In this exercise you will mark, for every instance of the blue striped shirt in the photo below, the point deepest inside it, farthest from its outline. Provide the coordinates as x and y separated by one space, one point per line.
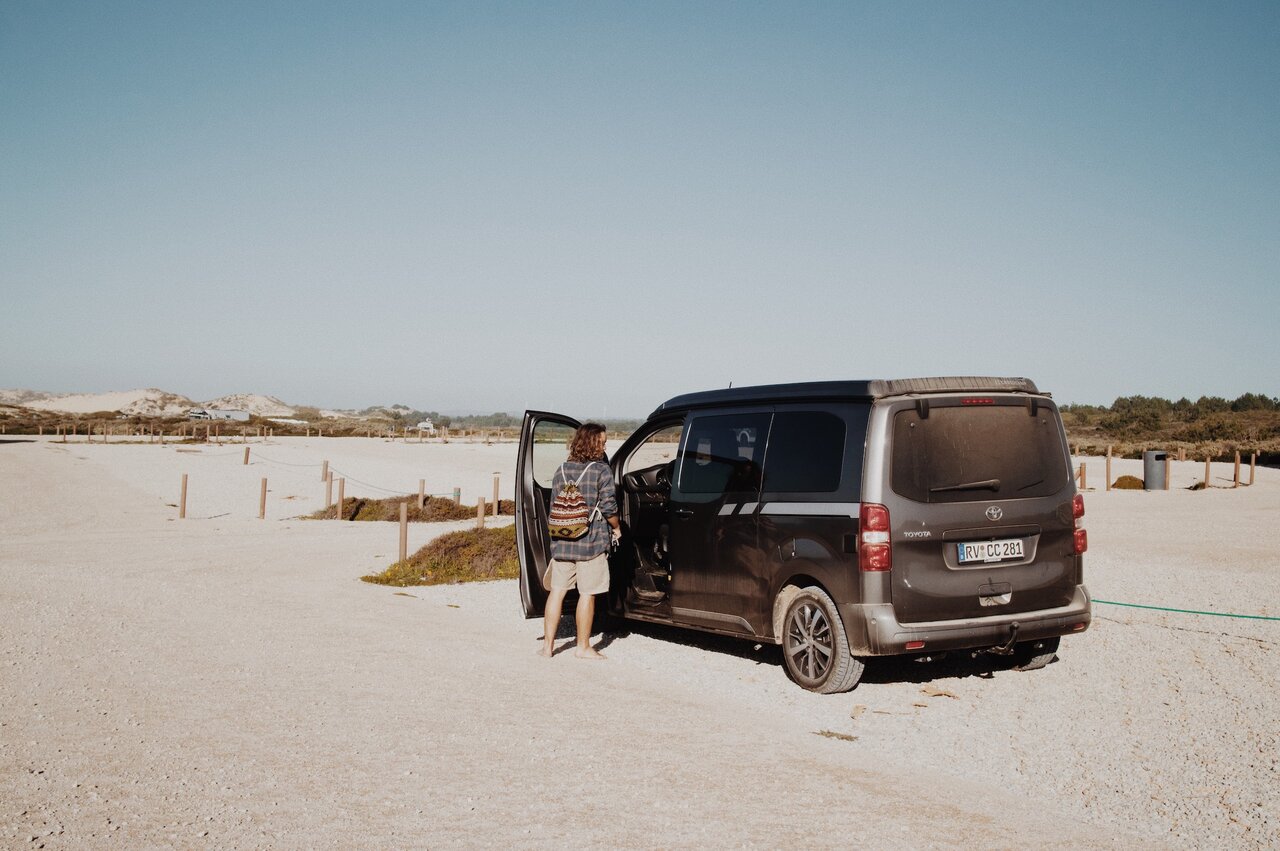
599 491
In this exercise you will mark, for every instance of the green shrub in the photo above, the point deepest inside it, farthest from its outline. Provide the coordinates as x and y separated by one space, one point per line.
472 555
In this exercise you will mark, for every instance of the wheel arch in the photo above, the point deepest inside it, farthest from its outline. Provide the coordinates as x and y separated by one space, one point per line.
786 591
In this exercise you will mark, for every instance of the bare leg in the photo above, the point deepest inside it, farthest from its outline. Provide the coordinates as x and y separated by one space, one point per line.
551 620
583 616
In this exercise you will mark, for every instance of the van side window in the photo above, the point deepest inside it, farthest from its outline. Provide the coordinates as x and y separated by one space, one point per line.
723 454
806 453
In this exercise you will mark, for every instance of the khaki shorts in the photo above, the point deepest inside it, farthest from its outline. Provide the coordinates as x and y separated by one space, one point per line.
591 577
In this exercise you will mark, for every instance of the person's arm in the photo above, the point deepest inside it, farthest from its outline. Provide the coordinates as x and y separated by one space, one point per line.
607 499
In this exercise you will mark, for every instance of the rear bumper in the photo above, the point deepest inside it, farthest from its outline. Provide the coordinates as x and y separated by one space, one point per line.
874 630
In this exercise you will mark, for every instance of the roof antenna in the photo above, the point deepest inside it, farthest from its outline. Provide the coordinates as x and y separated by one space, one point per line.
730 385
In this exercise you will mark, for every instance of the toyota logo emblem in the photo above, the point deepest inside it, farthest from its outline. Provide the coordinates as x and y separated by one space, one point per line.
994 513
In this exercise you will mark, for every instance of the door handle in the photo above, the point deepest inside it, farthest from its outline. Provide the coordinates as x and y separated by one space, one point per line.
684 512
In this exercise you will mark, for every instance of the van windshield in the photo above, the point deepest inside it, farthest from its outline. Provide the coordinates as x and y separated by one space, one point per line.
966 454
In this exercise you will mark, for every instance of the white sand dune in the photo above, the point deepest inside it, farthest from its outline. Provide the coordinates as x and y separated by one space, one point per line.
146 402
229 682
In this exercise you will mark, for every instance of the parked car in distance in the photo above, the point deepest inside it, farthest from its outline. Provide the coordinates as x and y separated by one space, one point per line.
842 520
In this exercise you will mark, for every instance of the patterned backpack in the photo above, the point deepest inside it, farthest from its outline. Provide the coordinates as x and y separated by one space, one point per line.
570 518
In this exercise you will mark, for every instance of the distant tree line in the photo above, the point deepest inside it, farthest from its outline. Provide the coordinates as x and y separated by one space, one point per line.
401 416
1209 418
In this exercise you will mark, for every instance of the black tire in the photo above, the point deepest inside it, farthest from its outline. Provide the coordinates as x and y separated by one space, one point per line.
1034 655
815 649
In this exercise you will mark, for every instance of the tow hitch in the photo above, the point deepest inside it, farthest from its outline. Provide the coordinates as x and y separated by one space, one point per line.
1005 649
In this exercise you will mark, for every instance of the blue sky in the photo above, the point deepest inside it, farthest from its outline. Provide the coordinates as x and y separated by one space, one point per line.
590 207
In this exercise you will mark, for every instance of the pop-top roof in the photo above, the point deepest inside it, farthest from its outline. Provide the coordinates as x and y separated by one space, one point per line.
849 391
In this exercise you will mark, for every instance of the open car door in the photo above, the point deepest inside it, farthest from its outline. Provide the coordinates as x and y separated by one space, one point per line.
544 446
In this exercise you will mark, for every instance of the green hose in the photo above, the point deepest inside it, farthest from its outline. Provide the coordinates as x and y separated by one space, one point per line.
1188 611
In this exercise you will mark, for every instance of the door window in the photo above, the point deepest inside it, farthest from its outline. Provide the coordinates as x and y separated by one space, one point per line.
657 449
722 454
806 453
550 449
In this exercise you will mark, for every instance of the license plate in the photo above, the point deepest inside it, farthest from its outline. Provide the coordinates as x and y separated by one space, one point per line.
1005 549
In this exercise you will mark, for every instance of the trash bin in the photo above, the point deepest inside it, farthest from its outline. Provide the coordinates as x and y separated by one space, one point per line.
1153 470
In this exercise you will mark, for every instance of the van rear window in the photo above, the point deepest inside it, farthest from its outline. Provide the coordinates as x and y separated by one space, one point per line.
974 454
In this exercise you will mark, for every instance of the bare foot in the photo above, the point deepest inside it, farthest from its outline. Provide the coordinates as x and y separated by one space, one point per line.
546 651
589 653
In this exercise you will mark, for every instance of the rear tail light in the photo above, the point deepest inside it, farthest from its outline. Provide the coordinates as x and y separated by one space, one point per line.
1080 542
1080 537
874 552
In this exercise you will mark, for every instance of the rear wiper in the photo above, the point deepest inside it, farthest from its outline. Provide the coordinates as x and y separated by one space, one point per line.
985 484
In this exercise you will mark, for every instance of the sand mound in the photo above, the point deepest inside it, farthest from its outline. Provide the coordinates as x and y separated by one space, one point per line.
254 403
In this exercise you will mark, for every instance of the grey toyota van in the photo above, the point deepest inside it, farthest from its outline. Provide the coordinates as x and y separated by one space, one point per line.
841 520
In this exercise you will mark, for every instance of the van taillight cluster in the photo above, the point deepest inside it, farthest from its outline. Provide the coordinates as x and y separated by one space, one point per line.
874 553
1080 538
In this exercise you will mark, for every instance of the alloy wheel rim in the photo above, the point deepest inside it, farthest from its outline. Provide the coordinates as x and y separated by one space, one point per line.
809 645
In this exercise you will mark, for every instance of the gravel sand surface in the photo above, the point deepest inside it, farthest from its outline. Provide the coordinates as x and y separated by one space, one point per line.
228 682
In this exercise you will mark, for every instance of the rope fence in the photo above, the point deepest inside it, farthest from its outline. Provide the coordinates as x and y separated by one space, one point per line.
1164 461
329 474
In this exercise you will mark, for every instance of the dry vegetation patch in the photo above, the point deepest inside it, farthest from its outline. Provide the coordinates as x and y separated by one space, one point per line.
434 509
1128 483
472 555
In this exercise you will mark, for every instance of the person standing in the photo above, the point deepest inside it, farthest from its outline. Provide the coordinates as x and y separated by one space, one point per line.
583 562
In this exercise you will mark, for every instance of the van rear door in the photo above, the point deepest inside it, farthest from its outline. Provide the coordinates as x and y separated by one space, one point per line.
979 498
544 446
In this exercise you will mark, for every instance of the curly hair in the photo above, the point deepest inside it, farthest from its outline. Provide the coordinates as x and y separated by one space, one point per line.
587 443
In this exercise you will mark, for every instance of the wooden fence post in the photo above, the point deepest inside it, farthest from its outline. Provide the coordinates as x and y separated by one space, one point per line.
479 512
404 531
1182 453
1108 466
1253 465
342 496
457 496
495 494
182 500
1168 466
328 491
262 502
246 457
1207 459
1236 482
422 493
324 470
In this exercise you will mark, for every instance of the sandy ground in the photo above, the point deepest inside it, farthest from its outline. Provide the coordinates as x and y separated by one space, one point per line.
228 682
